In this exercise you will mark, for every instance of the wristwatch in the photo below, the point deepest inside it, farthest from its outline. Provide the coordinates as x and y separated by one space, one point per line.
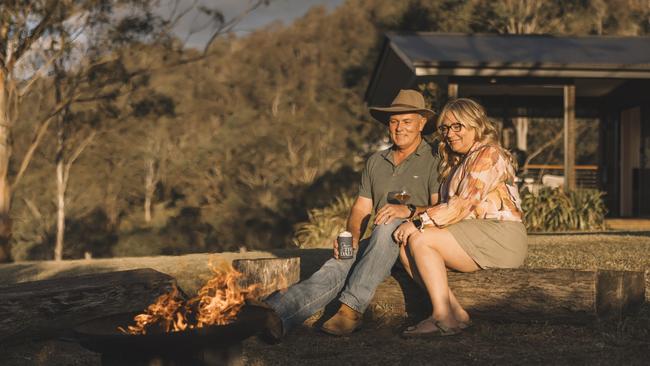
412 208
417 223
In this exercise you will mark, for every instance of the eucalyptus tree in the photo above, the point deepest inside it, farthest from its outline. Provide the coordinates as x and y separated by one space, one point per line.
82 38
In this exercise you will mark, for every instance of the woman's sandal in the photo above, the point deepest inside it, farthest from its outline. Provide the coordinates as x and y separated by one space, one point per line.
465 325
429 327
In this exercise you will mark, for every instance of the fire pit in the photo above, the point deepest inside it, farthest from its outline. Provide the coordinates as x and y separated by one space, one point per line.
205 330
211 345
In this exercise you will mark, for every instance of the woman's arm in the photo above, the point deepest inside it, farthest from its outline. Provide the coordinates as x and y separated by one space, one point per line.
482 173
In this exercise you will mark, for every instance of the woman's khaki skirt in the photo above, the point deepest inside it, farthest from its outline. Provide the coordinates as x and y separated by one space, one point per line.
492 243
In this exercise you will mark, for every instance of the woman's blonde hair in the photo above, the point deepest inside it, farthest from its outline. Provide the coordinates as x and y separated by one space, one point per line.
471 115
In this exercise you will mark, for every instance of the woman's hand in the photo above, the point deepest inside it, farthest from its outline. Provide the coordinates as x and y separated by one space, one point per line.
391 211
401 235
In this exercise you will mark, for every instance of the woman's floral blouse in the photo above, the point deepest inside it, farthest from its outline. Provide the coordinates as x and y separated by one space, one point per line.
480 187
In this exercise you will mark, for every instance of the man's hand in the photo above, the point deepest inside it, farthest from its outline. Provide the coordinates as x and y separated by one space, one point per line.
402 233
391 211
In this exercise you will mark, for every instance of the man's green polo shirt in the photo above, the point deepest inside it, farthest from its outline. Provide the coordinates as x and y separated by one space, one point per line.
418 174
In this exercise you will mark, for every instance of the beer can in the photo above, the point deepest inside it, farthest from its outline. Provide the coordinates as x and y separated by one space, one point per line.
344 241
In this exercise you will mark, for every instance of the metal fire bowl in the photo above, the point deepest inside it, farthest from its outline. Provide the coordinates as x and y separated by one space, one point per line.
101 335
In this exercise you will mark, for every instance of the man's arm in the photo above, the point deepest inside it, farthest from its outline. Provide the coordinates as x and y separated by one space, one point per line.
391 211
357 222
358 218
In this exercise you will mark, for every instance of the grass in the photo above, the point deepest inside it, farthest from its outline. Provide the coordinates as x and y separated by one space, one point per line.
604 343
618 251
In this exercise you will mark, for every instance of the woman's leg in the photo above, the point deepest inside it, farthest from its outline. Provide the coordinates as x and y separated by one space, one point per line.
432 252
405 257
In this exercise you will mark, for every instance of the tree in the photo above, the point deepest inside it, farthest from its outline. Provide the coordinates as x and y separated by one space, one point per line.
153 113
92 29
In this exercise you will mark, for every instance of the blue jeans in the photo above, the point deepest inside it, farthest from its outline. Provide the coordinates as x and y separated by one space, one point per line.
358 278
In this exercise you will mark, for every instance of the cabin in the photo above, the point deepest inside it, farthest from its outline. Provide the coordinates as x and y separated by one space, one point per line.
600 83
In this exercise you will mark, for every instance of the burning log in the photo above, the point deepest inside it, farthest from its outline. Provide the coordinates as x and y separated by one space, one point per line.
42 308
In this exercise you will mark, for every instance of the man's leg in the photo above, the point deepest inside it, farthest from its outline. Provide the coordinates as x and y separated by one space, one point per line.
374 263
300 301
305 298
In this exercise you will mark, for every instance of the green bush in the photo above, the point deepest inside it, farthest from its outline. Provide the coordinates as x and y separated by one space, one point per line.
324 224
552 209
547 210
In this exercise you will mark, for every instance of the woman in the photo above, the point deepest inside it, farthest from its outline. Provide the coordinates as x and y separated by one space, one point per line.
477 222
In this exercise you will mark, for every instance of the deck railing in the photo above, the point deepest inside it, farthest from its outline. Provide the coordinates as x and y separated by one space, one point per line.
586 175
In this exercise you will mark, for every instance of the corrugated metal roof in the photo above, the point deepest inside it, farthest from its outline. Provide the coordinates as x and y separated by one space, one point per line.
539 51
407 58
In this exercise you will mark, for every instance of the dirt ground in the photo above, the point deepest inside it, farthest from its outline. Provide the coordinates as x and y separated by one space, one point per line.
486 343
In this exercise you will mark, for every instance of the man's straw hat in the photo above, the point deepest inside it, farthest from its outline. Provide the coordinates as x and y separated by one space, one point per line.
406 101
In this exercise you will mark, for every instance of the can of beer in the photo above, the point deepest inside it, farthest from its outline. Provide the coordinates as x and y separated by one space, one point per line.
344 241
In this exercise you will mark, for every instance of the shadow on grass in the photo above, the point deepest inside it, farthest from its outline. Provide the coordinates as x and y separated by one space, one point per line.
601 232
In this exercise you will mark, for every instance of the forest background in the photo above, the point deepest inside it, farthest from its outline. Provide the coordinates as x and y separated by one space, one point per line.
233 148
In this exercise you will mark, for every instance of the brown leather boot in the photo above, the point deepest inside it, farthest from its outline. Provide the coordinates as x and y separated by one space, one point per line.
272 331
344 322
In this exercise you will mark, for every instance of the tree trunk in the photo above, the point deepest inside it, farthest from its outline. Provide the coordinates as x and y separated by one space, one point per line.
60 178
60 211
111 205
5 156
43 308
149 187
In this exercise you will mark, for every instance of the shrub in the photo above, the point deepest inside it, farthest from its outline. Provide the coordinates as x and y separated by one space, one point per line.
324 224
552 209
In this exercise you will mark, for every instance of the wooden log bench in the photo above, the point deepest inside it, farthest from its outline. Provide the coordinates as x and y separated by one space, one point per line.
521 295
547 295
38 309
42 308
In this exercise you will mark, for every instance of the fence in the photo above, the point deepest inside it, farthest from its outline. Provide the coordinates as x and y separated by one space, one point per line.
586 175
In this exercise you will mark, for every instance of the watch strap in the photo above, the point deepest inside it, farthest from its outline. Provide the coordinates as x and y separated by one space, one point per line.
412 208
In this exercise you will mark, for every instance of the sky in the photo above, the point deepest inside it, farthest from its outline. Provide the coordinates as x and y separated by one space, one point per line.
278 10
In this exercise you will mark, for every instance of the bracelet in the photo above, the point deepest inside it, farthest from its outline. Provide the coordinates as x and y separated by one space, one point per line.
426 220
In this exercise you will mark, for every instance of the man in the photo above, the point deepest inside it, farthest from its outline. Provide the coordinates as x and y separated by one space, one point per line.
409 165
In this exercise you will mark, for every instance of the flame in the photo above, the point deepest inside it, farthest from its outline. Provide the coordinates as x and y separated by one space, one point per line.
168 310
219 300
216 303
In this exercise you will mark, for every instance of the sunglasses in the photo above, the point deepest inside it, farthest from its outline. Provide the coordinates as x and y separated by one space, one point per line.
456 127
